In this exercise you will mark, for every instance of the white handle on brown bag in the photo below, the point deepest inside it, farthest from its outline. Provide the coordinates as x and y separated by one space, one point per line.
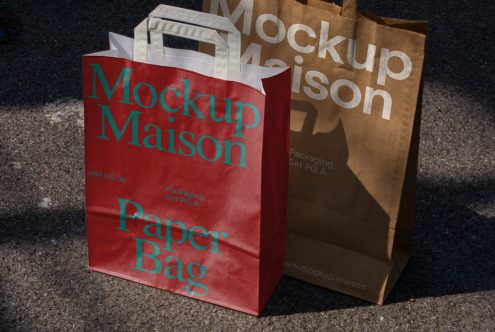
349 9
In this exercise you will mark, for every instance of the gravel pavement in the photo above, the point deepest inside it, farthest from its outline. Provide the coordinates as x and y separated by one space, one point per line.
449 284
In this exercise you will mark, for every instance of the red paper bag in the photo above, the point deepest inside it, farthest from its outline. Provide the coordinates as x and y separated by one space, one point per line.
187 163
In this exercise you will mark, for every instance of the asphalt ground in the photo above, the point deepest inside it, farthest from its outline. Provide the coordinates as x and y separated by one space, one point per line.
449 284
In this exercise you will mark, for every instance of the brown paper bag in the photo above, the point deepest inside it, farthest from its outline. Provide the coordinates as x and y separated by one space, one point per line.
355 130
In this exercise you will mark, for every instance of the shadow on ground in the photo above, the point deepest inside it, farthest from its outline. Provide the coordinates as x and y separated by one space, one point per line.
454 252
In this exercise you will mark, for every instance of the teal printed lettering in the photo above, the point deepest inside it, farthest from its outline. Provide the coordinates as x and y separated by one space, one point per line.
148 262
151 93
228 111
153 229
240 118
163 103
123 216
151 258
240 124
202 272
133 119
176 227
151 136
157 137
187 144
229 146
190 102
173 271
125 76
200 232
218 148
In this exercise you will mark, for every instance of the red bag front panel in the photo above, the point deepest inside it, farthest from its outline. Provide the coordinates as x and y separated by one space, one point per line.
173 180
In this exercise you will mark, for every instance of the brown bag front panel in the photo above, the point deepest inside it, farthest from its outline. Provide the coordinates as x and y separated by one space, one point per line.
355 91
